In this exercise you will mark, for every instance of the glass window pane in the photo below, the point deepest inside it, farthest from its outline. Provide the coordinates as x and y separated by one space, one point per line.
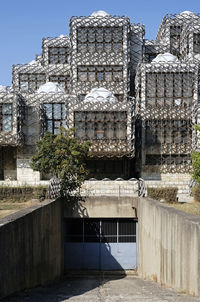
7 123
63 111
109 132
100 131
99 76
24 86
48 110
80 130
57 111
7 109
49 126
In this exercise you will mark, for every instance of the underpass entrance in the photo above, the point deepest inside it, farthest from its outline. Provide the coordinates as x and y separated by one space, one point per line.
100 244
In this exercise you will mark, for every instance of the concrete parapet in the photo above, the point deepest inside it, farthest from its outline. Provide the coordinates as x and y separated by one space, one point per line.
102 206
31 247
169 246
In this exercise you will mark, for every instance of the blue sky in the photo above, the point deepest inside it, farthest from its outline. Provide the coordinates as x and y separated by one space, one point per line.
23 23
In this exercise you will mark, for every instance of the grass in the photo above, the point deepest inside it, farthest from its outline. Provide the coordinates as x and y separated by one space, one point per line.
7 208
192 208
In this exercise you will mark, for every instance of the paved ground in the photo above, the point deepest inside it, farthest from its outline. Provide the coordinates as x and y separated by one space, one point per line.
104 289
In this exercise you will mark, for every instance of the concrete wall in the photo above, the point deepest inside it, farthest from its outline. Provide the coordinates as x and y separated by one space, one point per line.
102 207
31 247
110 188
169 246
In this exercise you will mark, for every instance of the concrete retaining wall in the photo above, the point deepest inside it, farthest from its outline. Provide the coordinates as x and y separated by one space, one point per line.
169 246
31 247
102 207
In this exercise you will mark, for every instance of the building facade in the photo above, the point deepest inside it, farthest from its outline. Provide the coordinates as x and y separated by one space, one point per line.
136 100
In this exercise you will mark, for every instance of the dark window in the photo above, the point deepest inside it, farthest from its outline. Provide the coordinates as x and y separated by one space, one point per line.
109 230
58 55
99 39
127 230
92 230
168 131
175 32
100 73
196 43
120 97
63 81
6 117
168 159
28 81
55 117
100 125
149 57
169 89
100 169
100 230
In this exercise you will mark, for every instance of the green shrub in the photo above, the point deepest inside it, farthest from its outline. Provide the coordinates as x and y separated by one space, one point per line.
167 194
23 193
196 193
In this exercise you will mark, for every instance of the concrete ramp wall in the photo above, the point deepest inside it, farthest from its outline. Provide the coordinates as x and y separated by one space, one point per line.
31 247
169 246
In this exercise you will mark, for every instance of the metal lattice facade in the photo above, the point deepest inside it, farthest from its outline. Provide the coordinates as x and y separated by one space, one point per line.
151 121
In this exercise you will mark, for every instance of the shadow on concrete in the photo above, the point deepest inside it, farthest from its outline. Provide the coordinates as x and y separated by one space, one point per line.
73 285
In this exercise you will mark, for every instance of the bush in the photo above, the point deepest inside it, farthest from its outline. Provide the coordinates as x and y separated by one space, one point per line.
167 194
23 193
196 193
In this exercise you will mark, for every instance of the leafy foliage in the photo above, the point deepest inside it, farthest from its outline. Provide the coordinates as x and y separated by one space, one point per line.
196 162
168 194
196 193
196 166
64 157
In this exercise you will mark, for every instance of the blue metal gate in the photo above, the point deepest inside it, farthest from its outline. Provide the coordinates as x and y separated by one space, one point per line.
100 244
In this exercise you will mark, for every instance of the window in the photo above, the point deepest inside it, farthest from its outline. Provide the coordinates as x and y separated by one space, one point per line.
170 89
196 43
63 81
54 117
100 73
149 57
168 131
175 32
28 81
99 39
168 159
6 117
100 230
100 125
120 97
58 55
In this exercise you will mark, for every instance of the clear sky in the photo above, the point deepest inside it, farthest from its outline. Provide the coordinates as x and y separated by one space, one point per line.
23 23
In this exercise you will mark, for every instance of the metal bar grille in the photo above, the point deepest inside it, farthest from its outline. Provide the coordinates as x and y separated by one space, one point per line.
100 230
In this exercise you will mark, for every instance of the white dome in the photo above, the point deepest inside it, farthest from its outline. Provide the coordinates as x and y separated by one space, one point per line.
50 87
100 13
165 58
62 36
3 89
100 95
187 13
